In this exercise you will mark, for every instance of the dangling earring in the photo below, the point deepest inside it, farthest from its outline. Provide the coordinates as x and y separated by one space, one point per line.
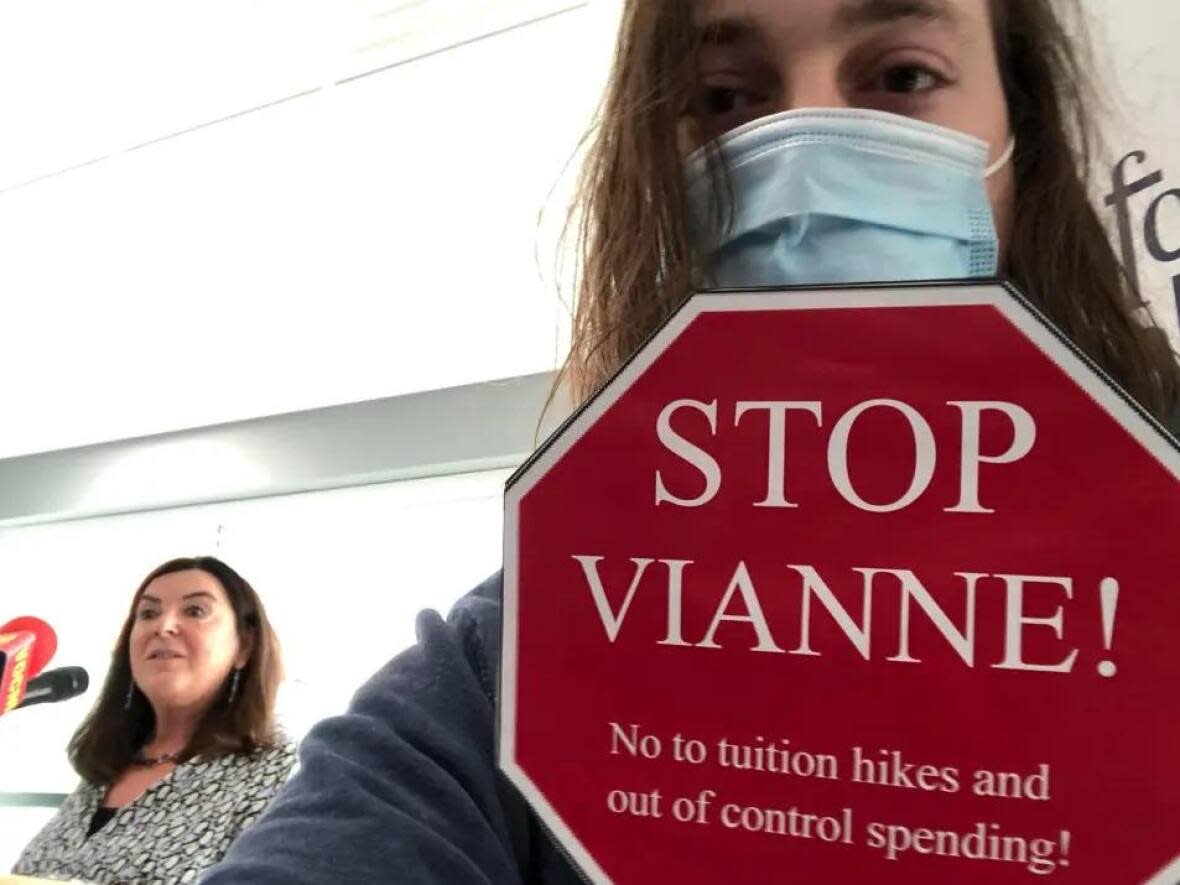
233 687
130 694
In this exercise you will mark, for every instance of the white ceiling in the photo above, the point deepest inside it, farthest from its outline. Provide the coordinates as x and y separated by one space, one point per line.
362 240
80 80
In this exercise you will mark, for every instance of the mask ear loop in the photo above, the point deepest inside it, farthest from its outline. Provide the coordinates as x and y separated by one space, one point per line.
1003 160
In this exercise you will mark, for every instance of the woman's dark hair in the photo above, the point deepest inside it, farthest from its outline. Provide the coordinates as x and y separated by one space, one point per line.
636 263
111 736
1060 255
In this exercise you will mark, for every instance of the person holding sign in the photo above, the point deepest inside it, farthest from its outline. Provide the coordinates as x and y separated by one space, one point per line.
742 143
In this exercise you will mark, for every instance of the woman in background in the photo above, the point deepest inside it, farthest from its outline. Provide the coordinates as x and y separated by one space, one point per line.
180 752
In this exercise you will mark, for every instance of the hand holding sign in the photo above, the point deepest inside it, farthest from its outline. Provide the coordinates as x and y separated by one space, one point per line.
849 583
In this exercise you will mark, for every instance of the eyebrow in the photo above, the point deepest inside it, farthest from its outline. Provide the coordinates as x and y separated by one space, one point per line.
852 15
194 595
730 31
855 14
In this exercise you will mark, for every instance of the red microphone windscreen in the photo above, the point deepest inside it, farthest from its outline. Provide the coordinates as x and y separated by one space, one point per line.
43 649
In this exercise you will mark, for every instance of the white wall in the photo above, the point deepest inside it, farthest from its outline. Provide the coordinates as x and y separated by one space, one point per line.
371 239
1136 39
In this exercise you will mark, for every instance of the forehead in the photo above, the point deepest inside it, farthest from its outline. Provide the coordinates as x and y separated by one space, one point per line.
814 18
175 586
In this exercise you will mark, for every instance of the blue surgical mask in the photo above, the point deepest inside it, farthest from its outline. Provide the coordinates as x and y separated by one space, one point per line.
847 196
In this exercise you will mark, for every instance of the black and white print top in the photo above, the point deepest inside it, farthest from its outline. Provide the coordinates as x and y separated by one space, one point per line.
180 826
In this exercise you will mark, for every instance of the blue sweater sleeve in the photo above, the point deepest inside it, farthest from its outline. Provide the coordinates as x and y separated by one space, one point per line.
403 787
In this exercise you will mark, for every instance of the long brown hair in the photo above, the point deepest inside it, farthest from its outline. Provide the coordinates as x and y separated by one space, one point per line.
636 263
111 736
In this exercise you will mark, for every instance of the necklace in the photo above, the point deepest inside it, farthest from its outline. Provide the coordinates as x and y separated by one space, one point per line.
150 761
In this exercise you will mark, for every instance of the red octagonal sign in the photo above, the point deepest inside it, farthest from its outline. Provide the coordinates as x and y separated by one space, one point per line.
846 585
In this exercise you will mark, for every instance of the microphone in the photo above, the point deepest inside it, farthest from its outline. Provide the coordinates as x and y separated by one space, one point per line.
52 686
26 646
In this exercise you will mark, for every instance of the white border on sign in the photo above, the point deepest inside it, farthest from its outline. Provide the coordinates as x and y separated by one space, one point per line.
1169 875
1137 424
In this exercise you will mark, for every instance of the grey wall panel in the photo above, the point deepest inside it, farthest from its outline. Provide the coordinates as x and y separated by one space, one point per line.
457 430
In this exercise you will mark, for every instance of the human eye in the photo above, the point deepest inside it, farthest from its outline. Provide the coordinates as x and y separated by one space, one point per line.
196 610
146 614
903 83
908 79
720 99
726 101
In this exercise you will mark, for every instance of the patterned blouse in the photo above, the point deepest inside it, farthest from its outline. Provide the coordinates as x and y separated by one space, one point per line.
181 825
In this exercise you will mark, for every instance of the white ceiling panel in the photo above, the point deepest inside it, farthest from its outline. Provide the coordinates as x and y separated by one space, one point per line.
370 239
80 81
